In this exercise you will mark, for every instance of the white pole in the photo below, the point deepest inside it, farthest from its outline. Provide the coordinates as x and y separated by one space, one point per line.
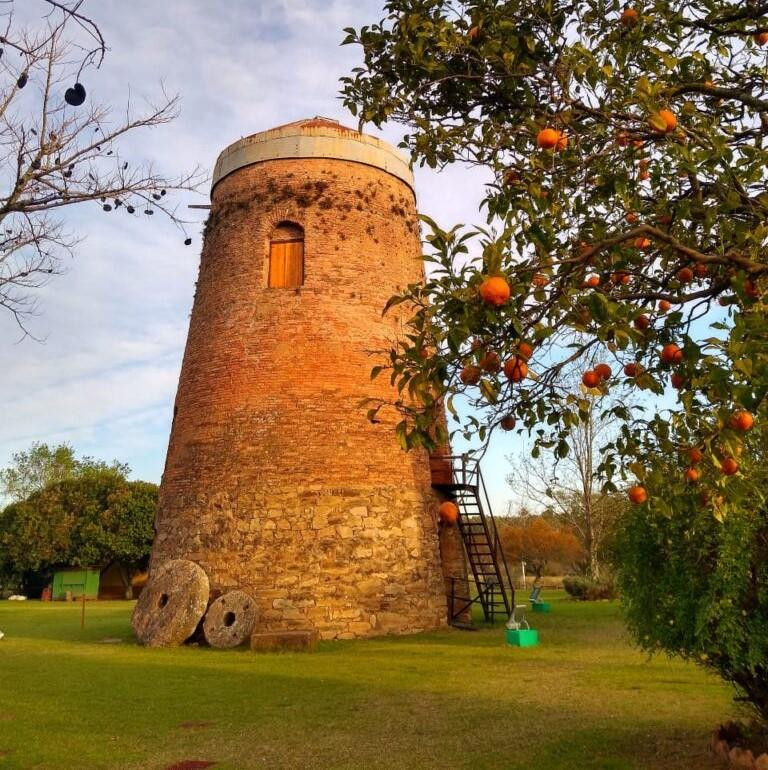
522 565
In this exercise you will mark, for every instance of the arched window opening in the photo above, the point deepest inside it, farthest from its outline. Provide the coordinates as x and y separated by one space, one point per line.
286 256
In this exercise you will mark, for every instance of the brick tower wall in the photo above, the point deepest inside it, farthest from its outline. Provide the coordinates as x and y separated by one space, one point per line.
275 482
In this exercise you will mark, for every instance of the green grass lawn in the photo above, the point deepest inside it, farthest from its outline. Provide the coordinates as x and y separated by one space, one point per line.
583 699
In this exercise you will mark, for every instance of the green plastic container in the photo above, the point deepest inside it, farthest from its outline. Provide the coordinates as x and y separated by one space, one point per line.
524 637
540 606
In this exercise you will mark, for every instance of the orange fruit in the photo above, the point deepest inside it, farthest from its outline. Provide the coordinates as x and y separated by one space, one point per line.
643 243
671 354
700 270
622 138
761 38
685 275
742 421
592 282
548 138
591 378
637 494
494 291
692 475
663 121
470 375
751 290
631 217
474 34
490 362
448 512
515 369
642 322
524 350
632 369
539 279
695 455
664 306
507 422
677 380
629 17
603 371
620 277
730 466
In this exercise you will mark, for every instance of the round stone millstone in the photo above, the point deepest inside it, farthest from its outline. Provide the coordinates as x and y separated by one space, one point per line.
230 619
171 604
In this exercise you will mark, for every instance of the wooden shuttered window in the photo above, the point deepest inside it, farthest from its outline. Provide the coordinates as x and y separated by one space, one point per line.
286 256
286 264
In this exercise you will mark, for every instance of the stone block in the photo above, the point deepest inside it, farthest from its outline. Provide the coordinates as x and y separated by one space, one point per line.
299 640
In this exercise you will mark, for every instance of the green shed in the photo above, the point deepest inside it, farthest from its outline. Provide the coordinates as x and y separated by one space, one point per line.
77 581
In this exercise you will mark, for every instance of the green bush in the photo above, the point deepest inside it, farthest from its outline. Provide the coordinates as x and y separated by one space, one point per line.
695 585
586 589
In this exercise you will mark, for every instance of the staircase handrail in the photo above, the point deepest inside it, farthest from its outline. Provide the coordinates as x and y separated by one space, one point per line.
467 472
500 555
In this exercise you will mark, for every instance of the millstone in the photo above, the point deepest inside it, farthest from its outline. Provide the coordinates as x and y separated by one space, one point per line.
230 619
171 604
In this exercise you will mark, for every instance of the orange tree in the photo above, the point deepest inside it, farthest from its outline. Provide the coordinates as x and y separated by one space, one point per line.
626 223
626 218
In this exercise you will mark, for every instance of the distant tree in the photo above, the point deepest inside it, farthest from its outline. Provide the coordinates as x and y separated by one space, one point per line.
568 487
39 466
58 148
538 542
86 520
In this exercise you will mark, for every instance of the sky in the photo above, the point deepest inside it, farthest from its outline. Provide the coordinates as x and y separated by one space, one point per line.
113 327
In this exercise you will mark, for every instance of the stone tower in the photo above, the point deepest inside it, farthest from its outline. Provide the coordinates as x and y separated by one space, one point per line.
275 482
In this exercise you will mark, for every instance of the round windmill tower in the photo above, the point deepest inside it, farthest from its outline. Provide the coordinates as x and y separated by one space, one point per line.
275 482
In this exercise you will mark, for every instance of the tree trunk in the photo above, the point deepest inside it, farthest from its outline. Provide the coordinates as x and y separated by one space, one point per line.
126 574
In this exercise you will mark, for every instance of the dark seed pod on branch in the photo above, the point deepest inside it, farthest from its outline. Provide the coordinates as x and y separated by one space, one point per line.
22 81
75 96
130 209
187 241
107 207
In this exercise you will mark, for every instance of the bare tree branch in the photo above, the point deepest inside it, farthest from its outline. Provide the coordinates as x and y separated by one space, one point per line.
56 152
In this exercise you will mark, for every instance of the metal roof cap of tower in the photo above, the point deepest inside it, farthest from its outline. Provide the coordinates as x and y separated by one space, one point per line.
316 137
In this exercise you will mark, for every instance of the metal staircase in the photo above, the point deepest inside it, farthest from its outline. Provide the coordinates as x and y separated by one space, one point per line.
460 480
